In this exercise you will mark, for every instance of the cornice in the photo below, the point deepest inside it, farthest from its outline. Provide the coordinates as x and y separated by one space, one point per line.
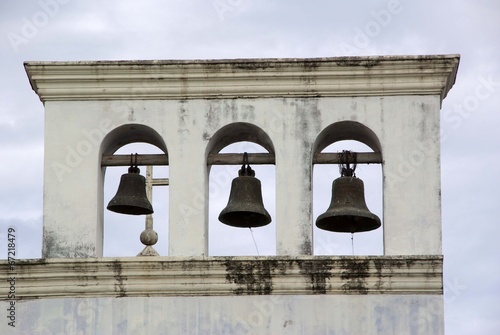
218 276
244 78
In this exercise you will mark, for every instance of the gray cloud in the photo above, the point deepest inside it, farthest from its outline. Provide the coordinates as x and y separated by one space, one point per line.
92 30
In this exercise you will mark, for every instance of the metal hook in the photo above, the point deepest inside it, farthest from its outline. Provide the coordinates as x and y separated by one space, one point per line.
133 165
245 158
345 158
246 170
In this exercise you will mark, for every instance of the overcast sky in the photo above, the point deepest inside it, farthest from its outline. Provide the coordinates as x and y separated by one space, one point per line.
67 30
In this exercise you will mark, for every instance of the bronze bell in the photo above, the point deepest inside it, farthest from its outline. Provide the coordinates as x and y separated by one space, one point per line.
131 195
348 212
245 208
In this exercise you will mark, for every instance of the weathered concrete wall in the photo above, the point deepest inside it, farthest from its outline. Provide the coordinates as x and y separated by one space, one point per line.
224 295
406 127
373 314
191 109
202 276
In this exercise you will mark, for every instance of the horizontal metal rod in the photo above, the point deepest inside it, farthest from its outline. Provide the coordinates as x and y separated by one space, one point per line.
361 158
236 159
266 158
124 160
158 181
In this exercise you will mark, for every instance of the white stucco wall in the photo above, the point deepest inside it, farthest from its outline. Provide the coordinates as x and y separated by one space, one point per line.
343 315
406 126
395 101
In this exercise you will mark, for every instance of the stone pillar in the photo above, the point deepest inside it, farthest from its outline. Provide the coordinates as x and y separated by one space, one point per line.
412 188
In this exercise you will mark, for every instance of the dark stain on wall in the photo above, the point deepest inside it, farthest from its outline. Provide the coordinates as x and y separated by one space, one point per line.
319 273
119 284
54 247
358 62
251 277
354 272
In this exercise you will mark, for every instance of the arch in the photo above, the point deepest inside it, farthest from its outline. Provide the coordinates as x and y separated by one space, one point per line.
219 187
347 130
238 132
118 138
131 133
326 243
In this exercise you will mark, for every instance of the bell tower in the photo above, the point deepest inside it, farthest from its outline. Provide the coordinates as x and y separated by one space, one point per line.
190 110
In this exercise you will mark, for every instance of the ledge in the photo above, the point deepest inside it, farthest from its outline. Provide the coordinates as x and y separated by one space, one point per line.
244 78
209 276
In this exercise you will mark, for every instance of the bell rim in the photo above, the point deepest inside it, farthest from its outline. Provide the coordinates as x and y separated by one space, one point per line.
131 202
254 224
137 210
369 223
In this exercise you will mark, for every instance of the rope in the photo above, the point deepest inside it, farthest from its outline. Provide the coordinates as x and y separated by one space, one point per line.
255 243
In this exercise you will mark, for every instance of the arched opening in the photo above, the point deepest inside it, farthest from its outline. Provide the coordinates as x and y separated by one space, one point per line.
226 240
131 133
355 137
121 232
